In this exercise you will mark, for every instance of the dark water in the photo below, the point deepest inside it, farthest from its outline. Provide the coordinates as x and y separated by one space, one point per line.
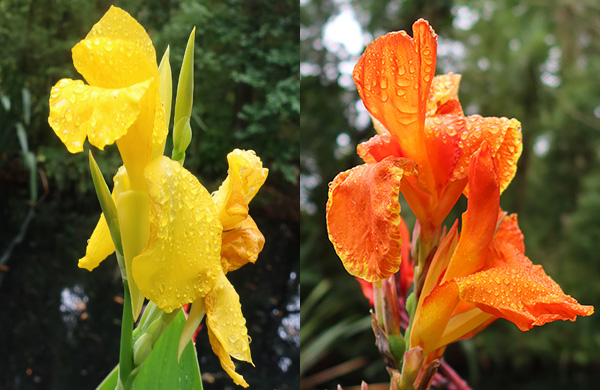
60 326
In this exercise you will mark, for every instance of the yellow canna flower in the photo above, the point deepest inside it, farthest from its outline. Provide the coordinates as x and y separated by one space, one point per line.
178 240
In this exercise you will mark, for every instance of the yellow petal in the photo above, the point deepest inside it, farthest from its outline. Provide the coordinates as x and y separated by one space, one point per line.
99 247
116 53
104 115
181 261
100 244
224 318
225 360
246 176
241 246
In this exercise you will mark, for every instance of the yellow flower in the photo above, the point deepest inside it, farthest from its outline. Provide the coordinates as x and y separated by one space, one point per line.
178 240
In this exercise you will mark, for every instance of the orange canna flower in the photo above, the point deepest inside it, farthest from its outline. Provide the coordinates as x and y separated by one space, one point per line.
483 274
423 150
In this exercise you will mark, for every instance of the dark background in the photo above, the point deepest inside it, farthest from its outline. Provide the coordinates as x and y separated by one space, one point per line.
537 61
60 325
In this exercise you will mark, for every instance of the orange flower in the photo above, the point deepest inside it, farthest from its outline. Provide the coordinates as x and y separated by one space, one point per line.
484 274
423 150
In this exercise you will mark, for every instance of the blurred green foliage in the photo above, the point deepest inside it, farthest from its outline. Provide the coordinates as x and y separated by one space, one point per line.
246 77
536 61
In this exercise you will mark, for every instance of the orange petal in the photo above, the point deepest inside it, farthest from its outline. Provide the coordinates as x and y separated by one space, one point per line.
241 246
363 217
393 78
510 232
521 293
442 138
444 88
433 315
480 220
377 148
504 138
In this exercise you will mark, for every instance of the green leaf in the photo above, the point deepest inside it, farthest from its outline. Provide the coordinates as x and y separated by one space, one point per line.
161 370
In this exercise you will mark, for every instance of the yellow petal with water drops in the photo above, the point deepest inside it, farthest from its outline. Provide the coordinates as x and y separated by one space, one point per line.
103 115
100 244
241 246
99 247
116 53
224 318
246 176
181 261
225 360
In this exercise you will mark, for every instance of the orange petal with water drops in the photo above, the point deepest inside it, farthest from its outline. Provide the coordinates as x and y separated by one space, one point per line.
510 232
444 88
103 115
433 315
116 53
182 259
241 245
521 293
480 220
393 77
504 139
246 176
363 217
377 148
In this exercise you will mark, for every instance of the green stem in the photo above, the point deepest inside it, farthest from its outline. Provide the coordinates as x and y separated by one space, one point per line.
126 350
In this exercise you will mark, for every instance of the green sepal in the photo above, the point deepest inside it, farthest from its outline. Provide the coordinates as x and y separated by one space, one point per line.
397 347
109 209
411 304
142 348
182 136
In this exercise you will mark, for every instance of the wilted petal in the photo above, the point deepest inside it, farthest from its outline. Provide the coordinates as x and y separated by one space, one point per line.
241 245
363 218
103 115
181 261
246 176
521 293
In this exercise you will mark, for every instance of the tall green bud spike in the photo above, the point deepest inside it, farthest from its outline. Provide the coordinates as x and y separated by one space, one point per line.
182 131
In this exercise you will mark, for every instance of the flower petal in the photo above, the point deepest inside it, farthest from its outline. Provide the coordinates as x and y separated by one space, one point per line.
225 319
444 88
521 293
99 246
393 77
480 220
377 148
116 53
246 176
241 246
225 359
182 258
504 138
104 115
363 218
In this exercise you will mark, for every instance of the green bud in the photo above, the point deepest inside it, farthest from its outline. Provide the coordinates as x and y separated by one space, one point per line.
397 346
142 348
411 305
166 85
182 132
